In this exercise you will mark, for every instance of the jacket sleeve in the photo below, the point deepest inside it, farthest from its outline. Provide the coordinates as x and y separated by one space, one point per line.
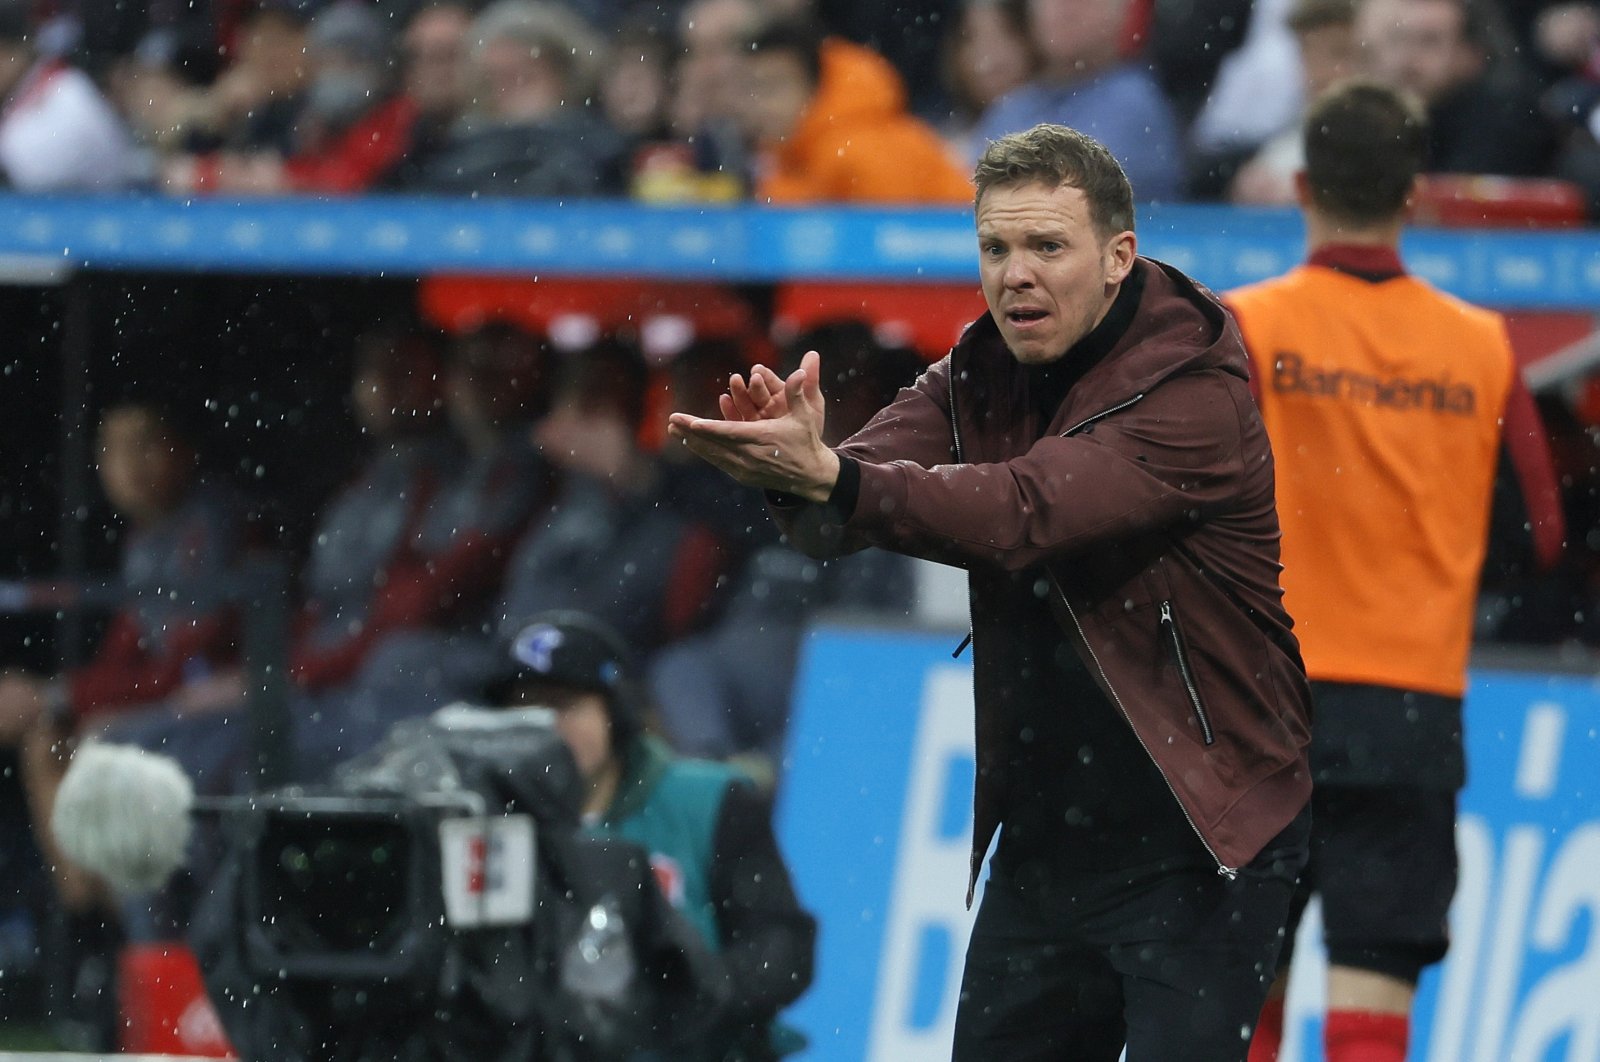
768 941
1527 444
1174 458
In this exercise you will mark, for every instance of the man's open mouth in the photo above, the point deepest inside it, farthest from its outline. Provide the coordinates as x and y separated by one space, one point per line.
1024 316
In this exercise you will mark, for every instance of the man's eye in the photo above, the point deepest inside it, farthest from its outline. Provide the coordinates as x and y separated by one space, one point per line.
1049 247
993 251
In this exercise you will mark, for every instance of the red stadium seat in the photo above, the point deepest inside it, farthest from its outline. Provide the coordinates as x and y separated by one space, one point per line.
928 317
460 303
1470 200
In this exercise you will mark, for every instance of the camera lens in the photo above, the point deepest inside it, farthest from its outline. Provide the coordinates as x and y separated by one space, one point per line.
333 885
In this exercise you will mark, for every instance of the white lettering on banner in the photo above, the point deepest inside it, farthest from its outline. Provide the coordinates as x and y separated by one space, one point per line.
1564 1003
1458 977
1541 751
1527 890
1527 904
904 243
1519 865
913 1018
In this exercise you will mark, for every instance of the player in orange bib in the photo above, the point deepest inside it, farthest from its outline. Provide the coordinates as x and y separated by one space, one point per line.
1387 403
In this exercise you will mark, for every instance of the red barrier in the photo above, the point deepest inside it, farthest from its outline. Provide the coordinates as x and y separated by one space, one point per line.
164 1006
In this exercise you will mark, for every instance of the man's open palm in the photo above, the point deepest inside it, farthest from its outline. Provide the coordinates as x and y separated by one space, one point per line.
771 432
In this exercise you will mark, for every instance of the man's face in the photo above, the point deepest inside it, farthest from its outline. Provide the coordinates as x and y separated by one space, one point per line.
1327 56
1049 275
435 60
1418 45
507 67
1077 34
142 467
991 57
582 720
777 92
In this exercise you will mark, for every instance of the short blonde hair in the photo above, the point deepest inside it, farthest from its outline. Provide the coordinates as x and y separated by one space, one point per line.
1055 155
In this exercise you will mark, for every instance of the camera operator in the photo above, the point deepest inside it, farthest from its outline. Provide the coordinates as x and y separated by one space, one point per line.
707 829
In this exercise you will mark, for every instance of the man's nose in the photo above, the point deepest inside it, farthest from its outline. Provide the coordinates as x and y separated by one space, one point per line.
1019 273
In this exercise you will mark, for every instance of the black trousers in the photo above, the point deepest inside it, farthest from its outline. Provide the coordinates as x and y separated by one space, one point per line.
1172 962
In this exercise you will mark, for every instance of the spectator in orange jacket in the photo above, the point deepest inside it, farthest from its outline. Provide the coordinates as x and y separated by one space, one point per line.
831 120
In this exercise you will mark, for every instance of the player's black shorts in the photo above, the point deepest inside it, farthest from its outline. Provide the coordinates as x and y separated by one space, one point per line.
1383 861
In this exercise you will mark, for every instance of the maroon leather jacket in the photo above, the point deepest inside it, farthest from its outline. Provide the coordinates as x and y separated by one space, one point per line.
1149 502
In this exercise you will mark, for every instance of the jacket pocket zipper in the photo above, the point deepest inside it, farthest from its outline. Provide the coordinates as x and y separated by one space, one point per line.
1169 623
1222 868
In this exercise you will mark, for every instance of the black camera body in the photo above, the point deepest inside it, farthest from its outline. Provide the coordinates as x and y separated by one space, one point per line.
440 902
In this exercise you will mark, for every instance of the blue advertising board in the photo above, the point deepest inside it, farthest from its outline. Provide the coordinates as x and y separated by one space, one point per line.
876 812
416 236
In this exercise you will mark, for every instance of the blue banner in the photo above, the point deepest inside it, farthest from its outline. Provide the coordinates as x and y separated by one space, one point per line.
405 237
876 813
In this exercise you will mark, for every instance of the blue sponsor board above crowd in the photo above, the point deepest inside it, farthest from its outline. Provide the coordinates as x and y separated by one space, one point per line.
1222 246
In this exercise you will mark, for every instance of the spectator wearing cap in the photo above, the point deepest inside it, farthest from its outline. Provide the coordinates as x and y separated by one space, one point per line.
708 829
57 132
354 126
532 127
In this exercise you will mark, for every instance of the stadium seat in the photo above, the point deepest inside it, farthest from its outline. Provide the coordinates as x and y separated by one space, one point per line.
928 317
1461 200
665 315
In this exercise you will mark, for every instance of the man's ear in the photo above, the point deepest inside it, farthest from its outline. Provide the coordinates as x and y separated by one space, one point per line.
1120 252
1419 186
1302 189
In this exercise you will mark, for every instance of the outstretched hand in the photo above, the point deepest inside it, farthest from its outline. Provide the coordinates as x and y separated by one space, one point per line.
771 432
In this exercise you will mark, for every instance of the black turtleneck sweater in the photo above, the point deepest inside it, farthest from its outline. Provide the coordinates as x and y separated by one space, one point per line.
1082 793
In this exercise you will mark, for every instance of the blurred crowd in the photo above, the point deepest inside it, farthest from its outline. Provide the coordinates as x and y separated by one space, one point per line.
771 100
502 475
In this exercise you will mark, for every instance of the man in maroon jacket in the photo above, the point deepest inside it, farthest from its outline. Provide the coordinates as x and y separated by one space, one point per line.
1089 452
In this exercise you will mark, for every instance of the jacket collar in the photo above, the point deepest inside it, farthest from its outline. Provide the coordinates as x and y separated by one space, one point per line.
643 764
1176 326
1049 383
1370 263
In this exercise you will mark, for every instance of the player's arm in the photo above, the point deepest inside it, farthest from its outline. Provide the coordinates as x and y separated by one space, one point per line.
1527 446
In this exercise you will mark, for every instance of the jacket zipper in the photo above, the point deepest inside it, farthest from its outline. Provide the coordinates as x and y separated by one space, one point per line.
955 445
1104 413
1222 868
955 436
1169 623
974 859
